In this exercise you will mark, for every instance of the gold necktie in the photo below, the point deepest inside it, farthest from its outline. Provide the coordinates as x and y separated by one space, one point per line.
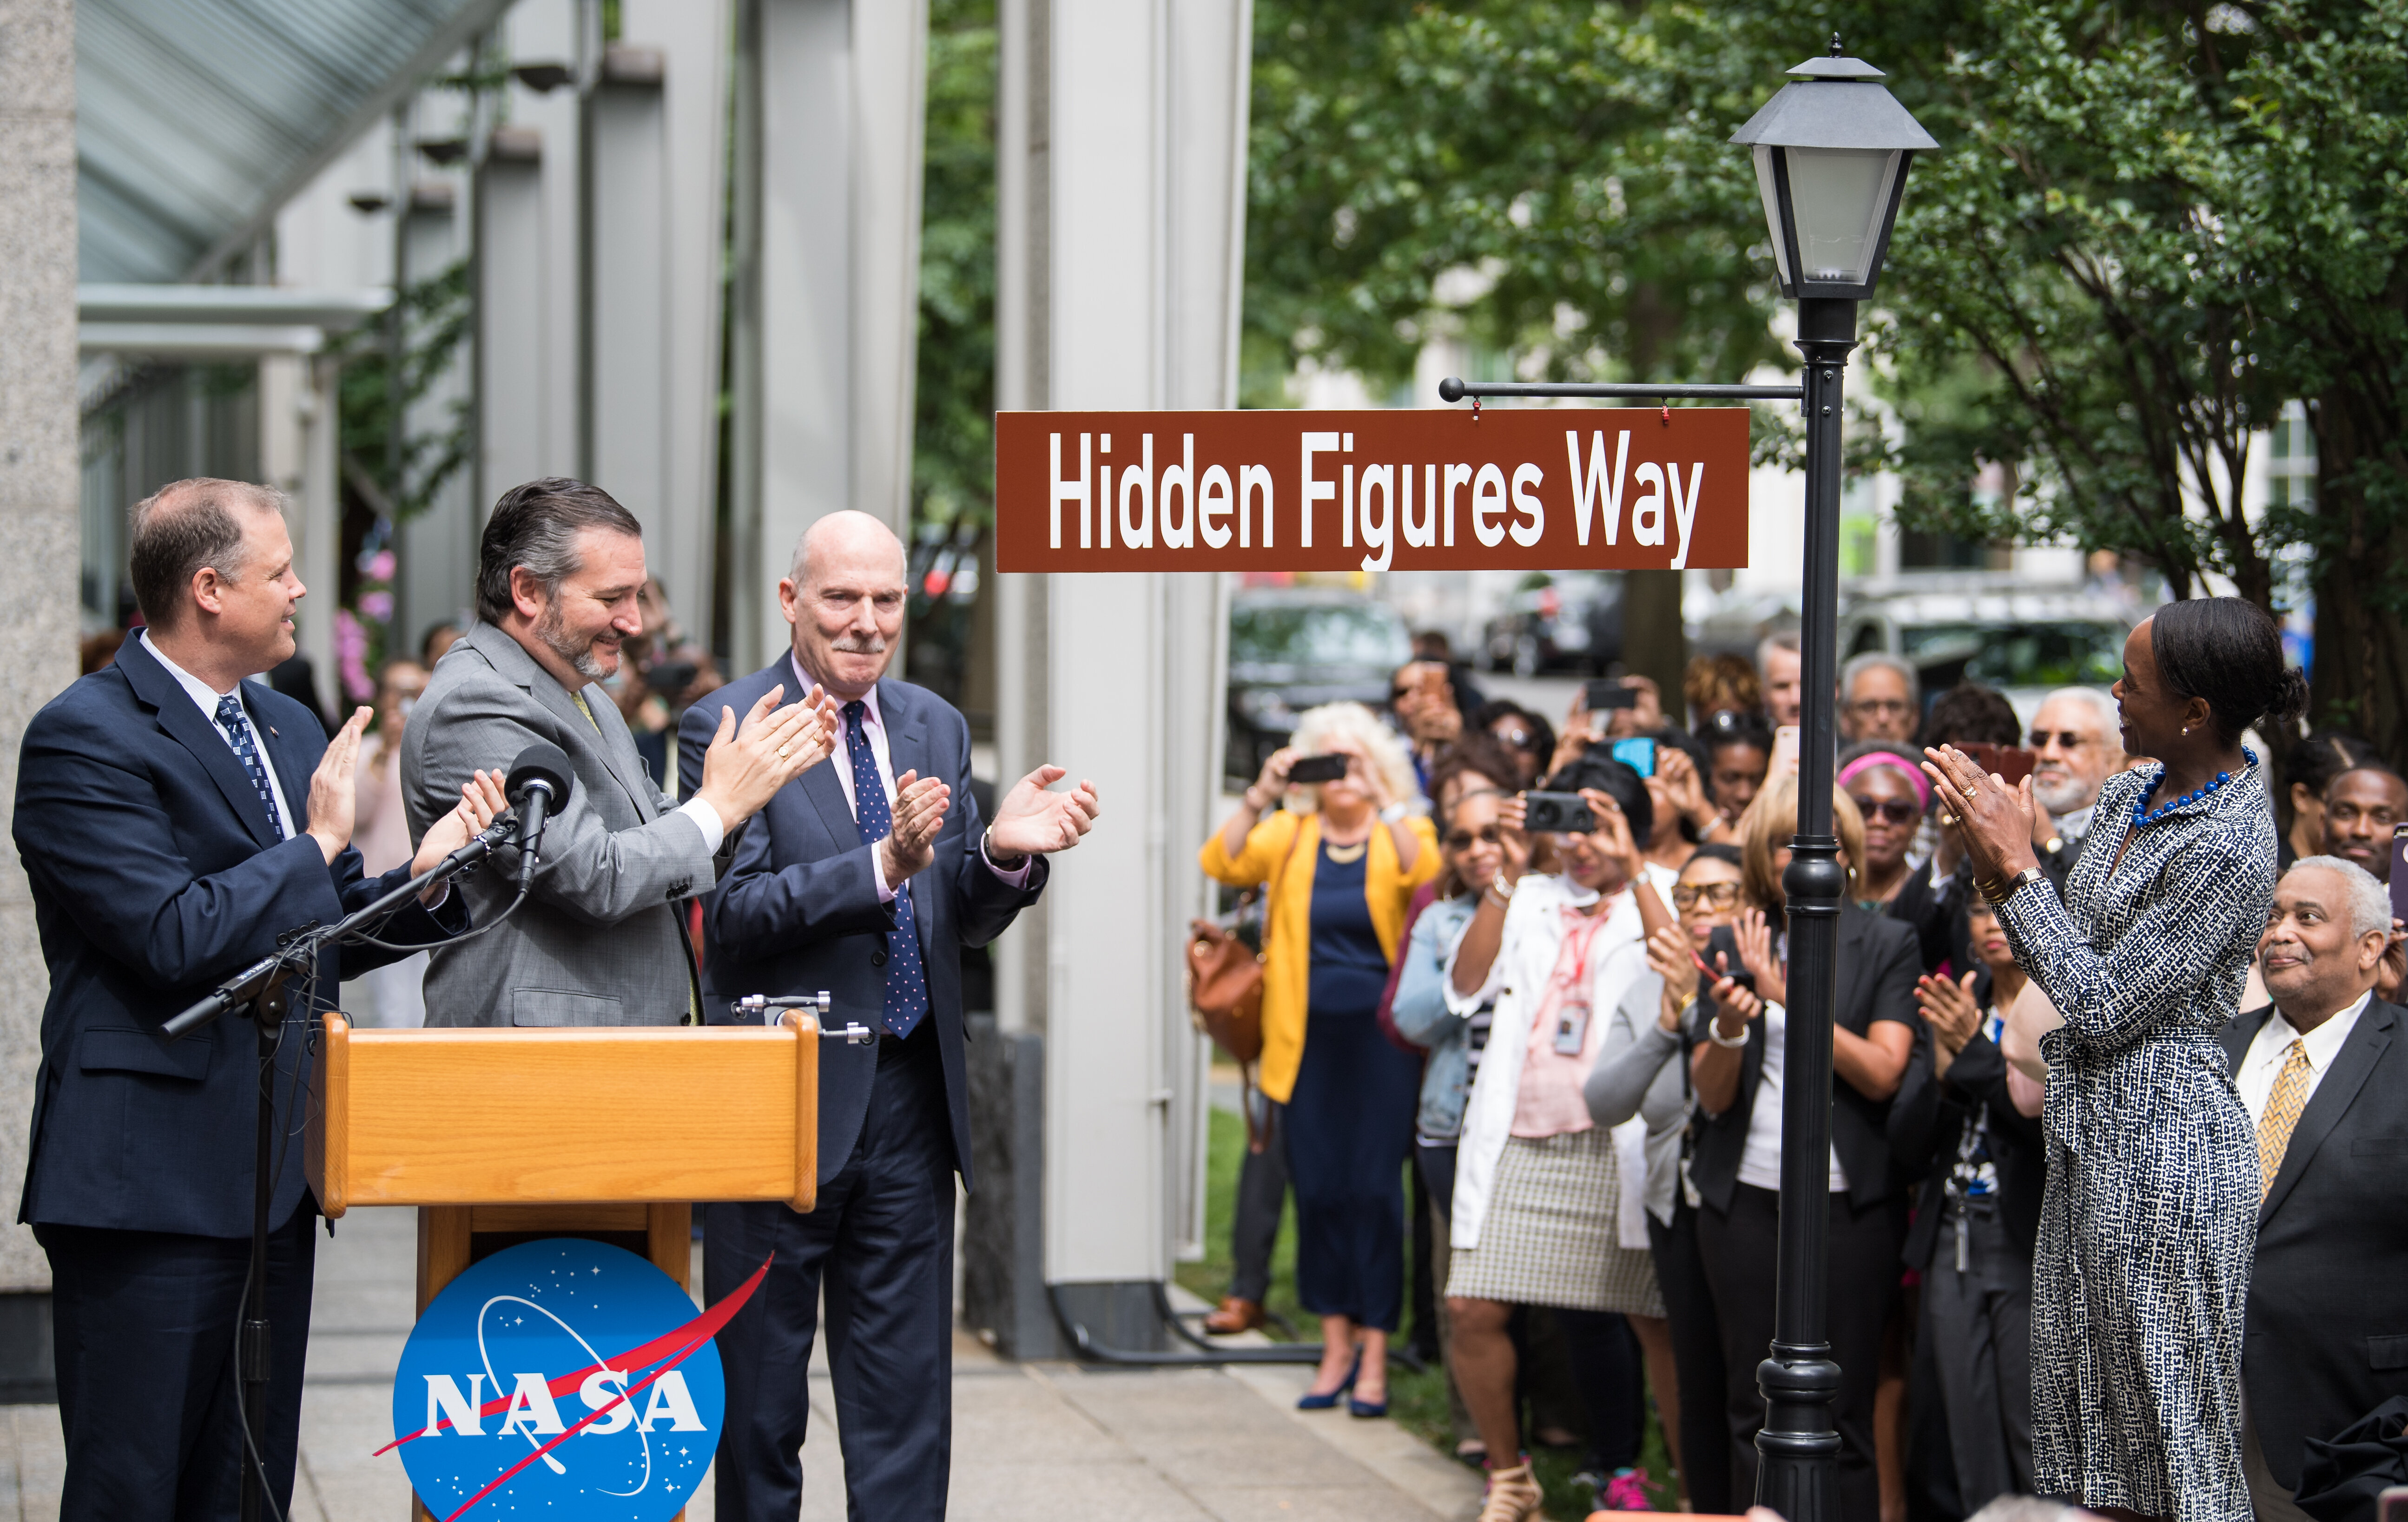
577 697
2283 1106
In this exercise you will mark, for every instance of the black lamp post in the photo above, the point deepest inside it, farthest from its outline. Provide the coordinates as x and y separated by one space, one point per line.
1831 156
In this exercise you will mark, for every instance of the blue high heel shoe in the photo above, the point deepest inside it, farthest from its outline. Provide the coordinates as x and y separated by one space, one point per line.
1366 1408
1310 1401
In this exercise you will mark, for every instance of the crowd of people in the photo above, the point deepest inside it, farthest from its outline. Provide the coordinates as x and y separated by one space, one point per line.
1595 1014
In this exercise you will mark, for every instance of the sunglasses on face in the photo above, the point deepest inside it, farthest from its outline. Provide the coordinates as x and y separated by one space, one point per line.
1713 895
2065 738
1518 738
1465 840
1897 811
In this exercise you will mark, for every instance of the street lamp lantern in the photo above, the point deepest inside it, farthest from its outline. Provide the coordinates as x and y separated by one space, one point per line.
1831 153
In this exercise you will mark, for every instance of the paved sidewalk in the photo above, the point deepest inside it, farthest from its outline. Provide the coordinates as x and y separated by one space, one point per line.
1051 1440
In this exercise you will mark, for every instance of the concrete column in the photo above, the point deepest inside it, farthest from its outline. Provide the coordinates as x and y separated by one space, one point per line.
528 291
39 512
831 97
437 547
693 37
625 329
1122 144
317 527
509 285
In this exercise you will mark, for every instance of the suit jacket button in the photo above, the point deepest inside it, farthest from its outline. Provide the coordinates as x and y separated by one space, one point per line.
878 958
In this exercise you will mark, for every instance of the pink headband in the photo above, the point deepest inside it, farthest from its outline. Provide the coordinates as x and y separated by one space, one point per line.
1883 759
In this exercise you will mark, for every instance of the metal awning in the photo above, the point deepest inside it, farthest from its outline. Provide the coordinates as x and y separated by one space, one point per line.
197 120
216 321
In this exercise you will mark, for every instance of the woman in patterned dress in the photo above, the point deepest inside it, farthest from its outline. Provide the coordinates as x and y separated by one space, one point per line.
2149 1220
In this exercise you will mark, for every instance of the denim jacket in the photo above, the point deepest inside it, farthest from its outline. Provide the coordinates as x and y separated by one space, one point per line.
1423 1018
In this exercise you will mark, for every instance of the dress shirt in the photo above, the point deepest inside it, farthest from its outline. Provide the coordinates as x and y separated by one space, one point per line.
205 697
873 729
2271 1046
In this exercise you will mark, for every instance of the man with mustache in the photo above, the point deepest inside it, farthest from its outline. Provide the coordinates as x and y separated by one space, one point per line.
2324 1072
602 938
2076 745
866 878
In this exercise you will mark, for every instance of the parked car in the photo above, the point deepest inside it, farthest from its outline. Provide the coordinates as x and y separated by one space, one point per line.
1562 621
1293 649
2024 643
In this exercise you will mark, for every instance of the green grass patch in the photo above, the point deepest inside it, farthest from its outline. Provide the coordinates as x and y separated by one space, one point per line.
1417 1398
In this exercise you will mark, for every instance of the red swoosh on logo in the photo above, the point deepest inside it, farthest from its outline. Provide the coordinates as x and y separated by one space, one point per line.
679 1340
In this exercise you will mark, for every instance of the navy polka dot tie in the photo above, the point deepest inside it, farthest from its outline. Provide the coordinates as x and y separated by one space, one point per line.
238 728
907 982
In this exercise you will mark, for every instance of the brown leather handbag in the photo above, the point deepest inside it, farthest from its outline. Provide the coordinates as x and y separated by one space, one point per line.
1225 993
1224 990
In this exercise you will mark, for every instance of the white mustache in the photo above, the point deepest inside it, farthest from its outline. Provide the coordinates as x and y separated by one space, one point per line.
854 645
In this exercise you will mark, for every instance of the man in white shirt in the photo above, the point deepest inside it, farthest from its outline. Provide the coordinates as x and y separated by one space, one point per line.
2323 1074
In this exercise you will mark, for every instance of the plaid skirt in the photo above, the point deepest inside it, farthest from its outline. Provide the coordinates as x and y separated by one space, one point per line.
1550 1236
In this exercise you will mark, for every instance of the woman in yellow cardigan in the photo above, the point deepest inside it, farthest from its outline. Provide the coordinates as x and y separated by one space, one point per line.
1343 860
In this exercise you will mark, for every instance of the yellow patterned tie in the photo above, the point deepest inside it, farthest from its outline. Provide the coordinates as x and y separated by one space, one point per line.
578 698
2283 1106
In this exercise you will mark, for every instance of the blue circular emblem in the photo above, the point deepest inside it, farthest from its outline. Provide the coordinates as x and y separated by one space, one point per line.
563 1379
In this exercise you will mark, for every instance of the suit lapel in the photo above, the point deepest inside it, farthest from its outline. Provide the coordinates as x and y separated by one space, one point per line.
182 718
2238 1033
907 730
617 743
2351 1065
292 768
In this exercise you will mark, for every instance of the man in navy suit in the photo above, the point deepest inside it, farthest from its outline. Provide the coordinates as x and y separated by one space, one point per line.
173 819
2324 1071
864 877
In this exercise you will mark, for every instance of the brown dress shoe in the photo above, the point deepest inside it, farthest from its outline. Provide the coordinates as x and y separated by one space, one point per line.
1235 1315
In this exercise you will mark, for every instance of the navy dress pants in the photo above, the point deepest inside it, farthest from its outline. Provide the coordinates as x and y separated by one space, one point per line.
144 1330
880 1246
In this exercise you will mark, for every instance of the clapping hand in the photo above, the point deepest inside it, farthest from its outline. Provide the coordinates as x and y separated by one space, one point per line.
1995 818
1951 1012
480 803
1032 820
1755 936
919 812
334 793
747 763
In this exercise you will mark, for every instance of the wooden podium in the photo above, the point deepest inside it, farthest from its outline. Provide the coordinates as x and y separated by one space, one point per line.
507 1134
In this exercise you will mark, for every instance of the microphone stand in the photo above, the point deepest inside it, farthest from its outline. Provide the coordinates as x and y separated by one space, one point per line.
261 986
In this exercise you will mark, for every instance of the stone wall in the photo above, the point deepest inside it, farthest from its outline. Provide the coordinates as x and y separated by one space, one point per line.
39 481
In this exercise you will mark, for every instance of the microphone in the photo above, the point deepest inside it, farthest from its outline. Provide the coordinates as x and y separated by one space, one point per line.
540 783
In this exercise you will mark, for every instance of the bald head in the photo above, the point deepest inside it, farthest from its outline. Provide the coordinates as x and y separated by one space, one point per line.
845 600
846 540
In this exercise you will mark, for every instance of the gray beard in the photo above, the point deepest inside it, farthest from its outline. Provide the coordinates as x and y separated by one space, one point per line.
548 628
2063 798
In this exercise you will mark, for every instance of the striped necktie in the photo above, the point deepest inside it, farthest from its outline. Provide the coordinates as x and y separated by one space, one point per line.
246 750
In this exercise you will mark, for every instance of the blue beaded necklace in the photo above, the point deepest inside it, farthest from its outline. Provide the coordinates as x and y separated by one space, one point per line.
2142 816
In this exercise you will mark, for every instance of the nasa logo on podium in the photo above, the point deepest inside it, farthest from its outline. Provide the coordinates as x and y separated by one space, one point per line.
565 1379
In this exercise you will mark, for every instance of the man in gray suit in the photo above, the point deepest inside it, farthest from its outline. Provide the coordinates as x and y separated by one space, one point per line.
601 940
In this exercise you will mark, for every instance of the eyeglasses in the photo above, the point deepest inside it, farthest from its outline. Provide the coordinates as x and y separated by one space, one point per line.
1881 705
1714 895
2066 738
1465 840
1897 811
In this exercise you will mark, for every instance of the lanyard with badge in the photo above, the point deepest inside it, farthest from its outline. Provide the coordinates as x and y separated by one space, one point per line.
1572 1009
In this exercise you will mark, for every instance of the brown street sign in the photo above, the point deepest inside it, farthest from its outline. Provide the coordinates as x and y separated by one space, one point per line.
1511 489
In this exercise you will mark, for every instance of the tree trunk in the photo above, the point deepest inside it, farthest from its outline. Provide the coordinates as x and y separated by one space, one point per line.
2361 678
1654 642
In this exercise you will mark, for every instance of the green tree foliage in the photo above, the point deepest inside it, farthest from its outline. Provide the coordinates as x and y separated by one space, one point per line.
2150 225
